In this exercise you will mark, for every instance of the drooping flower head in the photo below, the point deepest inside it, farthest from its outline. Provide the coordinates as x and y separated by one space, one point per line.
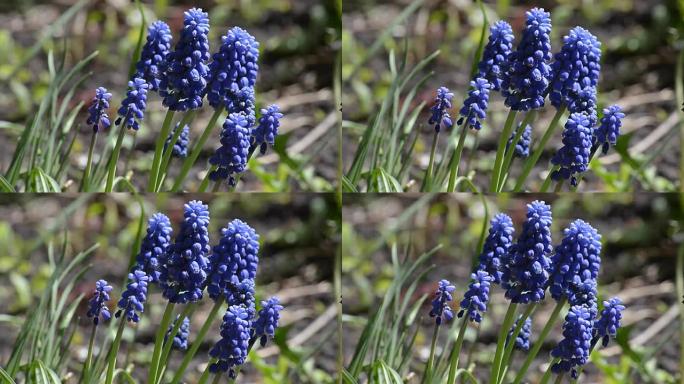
496 53
496 246
97 305
153 54
474 107
233 68
231 156
609 322
235 260
573 350
522 342
267 322
573 156
609 130
231 349
440 110
154 246
132 302
184 273
528 71
440 305
526 272
180 341
97 112
133 107
522 148
475 300
186 71
264 134
576 66
180 148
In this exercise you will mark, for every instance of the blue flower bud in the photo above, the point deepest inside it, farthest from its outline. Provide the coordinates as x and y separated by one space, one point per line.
132 302
440 305
609 322
475 105
231 349
576 66
153 54
180 341
475 300
133 107
154 246
522 342
180 149
267 129
97 305
97 112
496 246
440 110
495 54
267 322
573 157
522 149
231 156
573 350
609 130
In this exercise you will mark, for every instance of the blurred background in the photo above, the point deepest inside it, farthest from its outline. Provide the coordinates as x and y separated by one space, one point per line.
641 41
640 236
297 54
299 237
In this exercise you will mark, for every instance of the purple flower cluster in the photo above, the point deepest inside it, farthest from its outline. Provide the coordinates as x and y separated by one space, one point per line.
153 54
267 322
154 246
440 305
573 157
97 306
133 107
475 106
475 300
495 54
132 302
573 351
496 246
97 112
440 110
264 134
231 157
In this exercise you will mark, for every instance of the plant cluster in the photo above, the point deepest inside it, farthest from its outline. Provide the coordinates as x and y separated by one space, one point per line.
183 75
527 269
183 270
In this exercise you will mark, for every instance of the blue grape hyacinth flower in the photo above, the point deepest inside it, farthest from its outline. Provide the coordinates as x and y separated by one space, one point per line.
97 112
154 246
475 300
267 130
495 54
153 54
180 341
231 349
132 302
440 110
576 263
609 322
186 71
180 149
576 66
496 246
267 322
607 133
242 102
573 157
235 260
97 305
573 350
133 107
528 72
522 342
233 68
584 101
440 305
522 148
184 272
526 270
231 156
474 107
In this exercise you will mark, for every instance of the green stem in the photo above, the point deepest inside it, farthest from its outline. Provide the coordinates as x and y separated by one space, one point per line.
456 158
559 185
547 374
532 160
206 373
427 377
503 332
511 341
427 180
680 292
168 152
198 341
111 359
548 180
456 351
559 379
159 341
217 186
196 150
187 312
89 359
538 344
159 149
205 182
115 159
503 139
85 183
217 377
510 152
